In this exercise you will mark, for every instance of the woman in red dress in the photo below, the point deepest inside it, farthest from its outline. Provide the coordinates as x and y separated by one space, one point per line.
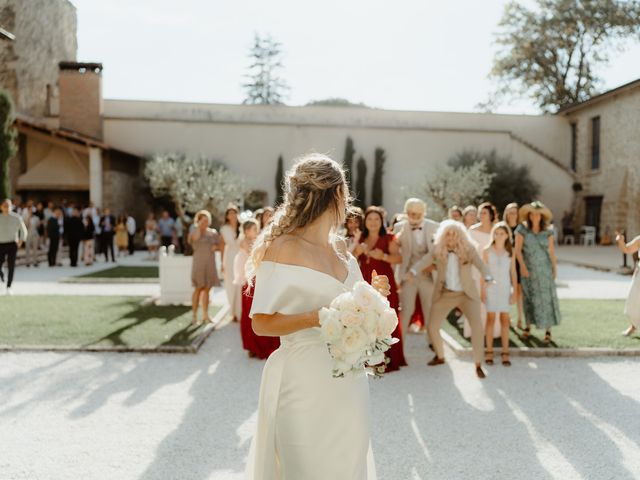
256 346
378 251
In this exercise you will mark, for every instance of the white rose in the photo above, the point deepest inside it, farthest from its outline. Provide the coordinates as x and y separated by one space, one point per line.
353 340
387 323
370 323
351 319
330 325
364 296
337 302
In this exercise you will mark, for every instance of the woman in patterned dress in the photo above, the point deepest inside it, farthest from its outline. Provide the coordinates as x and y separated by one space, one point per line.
536 254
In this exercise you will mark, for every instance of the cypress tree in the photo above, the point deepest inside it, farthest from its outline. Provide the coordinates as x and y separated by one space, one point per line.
279 181
347 163
7 141
361 189
378 172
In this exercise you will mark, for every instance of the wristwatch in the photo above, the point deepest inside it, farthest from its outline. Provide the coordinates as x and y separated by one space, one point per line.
488 278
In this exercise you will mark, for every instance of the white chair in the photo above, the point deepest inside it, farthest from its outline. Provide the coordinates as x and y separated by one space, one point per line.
588 235
569 240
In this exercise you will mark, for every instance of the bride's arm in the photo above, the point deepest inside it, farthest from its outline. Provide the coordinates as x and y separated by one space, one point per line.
278 324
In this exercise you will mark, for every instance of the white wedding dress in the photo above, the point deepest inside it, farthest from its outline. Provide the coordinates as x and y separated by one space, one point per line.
310 425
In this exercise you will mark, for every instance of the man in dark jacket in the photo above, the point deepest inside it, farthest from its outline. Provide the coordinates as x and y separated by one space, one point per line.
55 230
107 232
75 230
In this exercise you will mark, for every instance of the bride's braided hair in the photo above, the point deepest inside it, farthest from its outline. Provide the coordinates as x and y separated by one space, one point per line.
314 184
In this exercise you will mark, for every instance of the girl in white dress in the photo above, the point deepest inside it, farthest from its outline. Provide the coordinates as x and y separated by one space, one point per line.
500 295
310 425
481 234
230 232
632 305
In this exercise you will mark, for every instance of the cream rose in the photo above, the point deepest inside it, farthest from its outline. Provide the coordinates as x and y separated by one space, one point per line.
330 324
387 323
353 340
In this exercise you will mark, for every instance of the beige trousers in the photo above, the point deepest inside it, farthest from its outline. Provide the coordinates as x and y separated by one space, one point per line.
439 311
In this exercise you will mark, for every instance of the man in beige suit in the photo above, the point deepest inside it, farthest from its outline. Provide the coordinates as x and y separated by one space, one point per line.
415 236
453 256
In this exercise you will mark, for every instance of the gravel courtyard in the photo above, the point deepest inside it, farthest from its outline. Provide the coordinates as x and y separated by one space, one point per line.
129 416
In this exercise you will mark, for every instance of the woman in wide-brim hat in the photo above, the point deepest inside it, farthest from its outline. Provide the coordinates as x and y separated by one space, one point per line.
536 254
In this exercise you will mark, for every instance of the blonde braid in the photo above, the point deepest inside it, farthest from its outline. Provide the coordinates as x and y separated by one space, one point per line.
315 183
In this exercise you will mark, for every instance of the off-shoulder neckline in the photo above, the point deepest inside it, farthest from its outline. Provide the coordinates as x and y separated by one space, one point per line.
342 282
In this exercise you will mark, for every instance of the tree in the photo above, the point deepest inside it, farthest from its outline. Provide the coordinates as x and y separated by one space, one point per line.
463 185
280 181
193 183
360 193
335 102
378 172
265 86
347 163
510 182
552 53
8 146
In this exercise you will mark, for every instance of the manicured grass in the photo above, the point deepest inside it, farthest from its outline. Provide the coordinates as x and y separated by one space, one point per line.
85 321
124 272
585 323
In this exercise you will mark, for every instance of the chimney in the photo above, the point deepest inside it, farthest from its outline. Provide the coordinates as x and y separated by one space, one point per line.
80 90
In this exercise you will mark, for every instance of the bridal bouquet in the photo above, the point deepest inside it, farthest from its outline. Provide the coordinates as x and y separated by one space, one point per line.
357 328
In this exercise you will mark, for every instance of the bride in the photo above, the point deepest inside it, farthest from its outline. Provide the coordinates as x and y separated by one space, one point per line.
310 425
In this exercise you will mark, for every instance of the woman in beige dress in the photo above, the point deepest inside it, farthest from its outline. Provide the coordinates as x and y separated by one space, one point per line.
205 242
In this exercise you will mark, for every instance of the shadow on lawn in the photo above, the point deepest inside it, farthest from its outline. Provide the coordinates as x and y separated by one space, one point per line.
531 342
141 314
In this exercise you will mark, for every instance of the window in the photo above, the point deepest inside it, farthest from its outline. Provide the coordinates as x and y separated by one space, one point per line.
595 143
574 146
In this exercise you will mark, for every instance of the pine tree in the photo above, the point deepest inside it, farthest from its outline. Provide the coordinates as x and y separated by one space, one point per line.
7 141
347 163
361 189
378 172
264 86
280 181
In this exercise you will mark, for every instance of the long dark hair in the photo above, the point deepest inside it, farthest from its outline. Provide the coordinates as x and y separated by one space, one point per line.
371 210
507 245
226 218
543 223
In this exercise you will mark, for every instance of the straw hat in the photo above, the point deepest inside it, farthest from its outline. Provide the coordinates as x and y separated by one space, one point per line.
536 206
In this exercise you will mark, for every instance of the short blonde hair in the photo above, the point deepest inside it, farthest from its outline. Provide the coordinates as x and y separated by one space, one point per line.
415 202
203 213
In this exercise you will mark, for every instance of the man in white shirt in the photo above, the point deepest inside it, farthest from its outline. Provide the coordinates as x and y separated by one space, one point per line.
13 233
415 236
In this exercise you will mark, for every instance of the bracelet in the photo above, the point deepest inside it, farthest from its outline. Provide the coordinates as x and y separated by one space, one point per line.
385 257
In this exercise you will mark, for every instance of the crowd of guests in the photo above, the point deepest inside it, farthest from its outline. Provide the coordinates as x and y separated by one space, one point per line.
476 263
87 231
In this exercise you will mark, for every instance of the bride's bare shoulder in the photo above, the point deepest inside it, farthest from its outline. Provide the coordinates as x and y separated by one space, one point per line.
285 249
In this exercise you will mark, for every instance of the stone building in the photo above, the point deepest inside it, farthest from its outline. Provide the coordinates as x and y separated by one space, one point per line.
605 154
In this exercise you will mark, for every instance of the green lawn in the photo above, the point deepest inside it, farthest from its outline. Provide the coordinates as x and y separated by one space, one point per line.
84 321
124 272
585 323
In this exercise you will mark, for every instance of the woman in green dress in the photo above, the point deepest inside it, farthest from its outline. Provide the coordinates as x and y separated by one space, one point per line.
536 255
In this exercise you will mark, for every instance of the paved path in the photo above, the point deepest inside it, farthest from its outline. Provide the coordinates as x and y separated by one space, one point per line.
603 257
129 416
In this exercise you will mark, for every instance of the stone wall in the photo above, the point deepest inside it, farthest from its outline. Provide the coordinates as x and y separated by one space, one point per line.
249 140
618 178
45 33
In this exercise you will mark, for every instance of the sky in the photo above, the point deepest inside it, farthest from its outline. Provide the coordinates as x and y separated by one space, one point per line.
405 55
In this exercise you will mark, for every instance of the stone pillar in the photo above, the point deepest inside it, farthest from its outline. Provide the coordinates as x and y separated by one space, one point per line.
95 176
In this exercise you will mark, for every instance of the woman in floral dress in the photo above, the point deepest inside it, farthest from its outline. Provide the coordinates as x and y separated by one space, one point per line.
536 254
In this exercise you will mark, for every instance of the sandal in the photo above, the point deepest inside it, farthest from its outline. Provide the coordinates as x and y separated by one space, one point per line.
526 332
488 356
547 336
505 359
